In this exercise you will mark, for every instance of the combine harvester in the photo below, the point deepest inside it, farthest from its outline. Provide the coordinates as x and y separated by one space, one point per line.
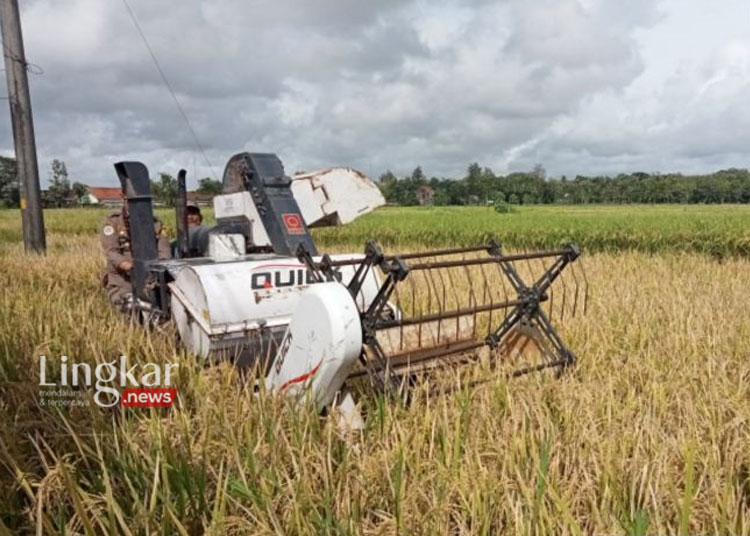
254 289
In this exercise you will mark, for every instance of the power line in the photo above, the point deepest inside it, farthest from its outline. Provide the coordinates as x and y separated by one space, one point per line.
169 87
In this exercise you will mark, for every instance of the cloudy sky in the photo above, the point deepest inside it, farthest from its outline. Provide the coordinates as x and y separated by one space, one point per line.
579 86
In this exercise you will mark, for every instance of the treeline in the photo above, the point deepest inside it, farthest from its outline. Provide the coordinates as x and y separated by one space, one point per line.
165 188
61 192
64 193
9 190
481 186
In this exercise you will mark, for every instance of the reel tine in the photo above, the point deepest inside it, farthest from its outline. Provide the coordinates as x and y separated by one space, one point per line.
457 300
575 282
413 288
425 308
564 297
481 296
429 294
413 298
530 275
551 303
503 282
581 266
439 301
445 305
400 304
472 301
433 290
487 297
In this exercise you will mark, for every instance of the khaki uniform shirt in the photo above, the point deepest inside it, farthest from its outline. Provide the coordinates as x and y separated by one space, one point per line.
116 244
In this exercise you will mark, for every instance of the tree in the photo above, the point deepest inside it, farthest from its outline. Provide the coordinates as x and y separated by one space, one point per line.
9 188
387 184
79 190
474 171
387 178
441 197
501 206
474 182
487 183
165 189
405 193
417 176
539 172
456 192
59 193
209 186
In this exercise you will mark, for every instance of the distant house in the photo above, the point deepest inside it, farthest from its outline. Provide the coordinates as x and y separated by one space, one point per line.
110 197
425 195
199 199
102 195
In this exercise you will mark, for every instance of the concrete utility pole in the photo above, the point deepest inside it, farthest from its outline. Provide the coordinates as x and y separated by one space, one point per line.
23 127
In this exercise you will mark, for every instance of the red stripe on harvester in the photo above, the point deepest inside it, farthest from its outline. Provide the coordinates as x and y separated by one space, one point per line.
305 376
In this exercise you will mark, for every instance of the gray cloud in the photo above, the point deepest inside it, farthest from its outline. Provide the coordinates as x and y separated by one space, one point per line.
387 84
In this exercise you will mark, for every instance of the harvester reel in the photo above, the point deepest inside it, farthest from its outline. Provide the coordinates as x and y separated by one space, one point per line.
439 308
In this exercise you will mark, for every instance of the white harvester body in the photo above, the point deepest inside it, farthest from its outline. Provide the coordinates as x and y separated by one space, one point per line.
264 309
241 205
236 308
253 288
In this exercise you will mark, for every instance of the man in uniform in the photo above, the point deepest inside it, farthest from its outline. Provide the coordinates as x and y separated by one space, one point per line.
115 239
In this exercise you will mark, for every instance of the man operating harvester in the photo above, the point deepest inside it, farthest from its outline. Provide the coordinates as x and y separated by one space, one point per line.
194 216
115 238
195 229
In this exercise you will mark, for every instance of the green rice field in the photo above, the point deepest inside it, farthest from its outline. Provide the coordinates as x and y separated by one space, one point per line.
717 230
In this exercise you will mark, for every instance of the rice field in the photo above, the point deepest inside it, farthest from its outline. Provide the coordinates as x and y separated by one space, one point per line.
716 230
649 434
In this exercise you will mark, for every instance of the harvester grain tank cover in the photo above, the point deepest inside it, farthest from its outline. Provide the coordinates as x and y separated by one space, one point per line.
335 196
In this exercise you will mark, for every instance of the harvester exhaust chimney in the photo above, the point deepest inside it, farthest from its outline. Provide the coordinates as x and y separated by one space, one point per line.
136 187
181 216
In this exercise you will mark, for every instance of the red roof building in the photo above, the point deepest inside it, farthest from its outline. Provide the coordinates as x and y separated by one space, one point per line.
199 199
103 195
